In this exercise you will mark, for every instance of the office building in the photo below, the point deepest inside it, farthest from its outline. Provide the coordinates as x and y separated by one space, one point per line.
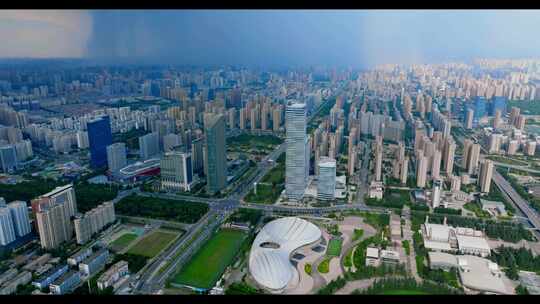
215 154
171 141
116 156
486 173
20 218
197 156
7 230
99 137
297 151
8 158
149 145
326 184
176 171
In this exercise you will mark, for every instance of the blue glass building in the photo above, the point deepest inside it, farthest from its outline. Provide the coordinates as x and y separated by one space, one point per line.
99 137
499 103
479 107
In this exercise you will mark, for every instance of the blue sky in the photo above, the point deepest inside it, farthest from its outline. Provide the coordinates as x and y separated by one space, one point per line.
272 37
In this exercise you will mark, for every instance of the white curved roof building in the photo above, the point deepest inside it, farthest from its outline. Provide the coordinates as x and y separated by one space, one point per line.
269 259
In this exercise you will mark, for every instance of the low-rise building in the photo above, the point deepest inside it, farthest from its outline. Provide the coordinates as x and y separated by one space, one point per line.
79 256
389 257
441 260
95 262
482 275
376 190
531 281
38 262
113 275
8 275
47 278
66 283
11 286
372 256
493 207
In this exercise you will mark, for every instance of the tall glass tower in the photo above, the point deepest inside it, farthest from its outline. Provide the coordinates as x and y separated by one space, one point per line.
297 155
215 156
99 137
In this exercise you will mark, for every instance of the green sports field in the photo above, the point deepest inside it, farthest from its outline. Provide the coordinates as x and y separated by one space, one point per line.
152 244
208 264
123 241
334 247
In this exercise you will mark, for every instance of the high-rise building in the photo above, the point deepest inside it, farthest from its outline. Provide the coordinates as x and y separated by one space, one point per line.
436 194
378 162
215 154
514 113
8 158
197 155
421 170
116 156
276 118
176 171
448 159
93 221
472 158
82 140
54 218
455 183
20 218
7 231
149 145
497 120
326 184
513 146
171 141
530 148
296 141
469 119
467 144
494 143
436 165
99 137
486 173
403 171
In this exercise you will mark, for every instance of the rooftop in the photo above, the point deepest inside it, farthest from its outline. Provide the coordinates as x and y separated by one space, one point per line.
476 274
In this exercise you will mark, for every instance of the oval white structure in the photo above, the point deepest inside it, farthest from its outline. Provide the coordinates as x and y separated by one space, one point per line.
269 259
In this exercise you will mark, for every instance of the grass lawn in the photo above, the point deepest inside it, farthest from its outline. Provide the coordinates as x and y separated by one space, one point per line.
266 194
324 266
207 265
472 206
153 243
403 292
123 241
334 247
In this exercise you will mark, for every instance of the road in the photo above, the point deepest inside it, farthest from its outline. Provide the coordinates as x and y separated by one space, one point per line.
522 204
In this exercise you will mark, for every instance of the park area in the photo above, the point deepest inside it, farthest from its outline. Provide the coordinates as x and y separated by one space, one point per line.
152 244
248 142
208 264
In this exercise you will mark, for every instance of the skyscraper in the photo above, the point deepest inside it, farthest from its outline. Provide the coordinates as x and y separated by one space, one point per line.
296 141
116 156
149 145
197 158
176 171
99 137
326 184
215 154
7 231
19 216
486 173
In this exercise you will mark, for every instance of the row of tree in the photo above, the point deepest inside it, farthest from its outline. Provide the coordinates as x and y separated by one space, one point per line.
163 209
406 286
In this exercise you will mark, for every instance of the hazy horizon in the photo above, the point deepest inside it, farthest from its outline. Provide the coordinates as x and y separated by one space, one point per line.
356 38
